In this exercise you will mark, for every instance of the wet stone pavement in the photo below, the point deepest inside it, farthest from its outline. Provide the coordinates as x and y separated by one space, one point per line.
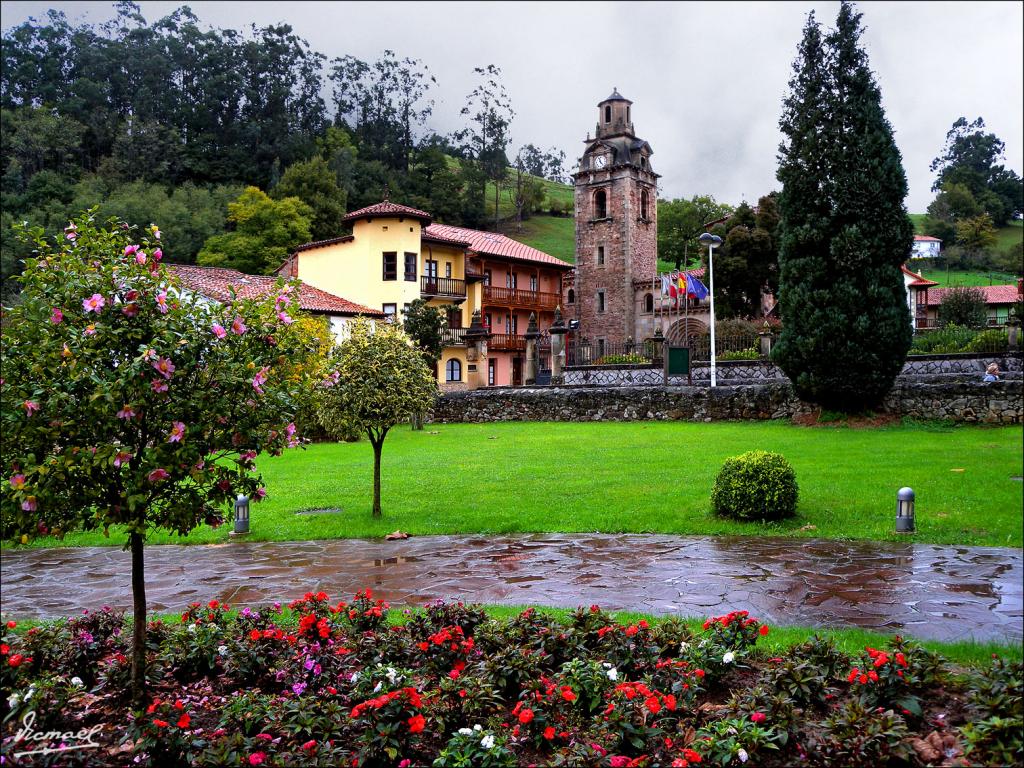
923 590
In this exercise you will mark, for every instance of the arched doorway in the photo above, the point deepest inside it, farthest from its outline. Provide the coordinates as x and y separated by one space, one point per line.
689 326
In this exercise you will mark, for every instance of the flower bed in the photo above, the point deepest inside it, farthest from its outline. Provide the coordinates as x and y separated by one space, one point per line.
332 684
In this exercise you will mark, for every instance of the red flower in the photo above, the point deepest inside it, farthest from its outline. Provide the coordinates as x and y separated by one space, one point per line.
653 705
15 660
257 758
526 716
12 624
549 733
416 723
160 723
255 635
631 630
184 721
763 630
309 746
758 717
567 693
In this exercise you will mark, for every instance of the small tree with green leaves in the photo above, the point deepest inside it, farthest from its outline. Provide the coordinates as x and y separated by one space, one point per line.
963 306
130 404
379 380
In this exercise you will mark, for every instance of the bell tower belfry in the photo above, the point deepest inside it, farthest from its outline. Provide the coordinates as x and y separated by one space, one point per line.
616 225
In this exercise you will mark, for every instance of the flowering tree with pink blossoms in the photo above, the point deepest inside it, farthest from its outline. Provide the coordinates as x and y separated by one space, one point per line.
129 404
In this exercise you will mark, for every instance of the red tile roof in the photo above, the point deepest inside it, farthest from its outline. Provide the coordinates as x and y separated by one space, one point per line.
215 283
431 236
387 208
918 281
322 243
494 244
994 294
926 239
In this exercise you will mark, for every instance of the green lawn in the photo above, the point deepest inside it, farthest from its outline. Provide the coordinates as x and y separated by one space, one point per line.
555 235
963 277
639 477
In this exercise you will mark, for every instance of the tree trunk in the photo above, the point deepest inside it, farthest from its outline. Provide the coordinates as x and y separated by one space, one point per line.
138 623
377 446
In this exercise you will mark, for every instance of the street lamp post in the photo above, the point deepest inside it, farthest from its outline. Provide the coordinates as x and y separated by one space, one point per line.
712 242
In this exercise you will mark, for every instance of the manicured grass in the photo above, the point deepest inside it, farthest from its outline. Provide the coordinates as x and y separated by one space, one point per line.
1009 235
555 235
638 477
963 277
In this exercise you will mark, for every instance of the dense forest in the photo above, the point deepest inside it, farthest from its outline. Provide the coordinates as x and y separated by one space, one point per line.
240 144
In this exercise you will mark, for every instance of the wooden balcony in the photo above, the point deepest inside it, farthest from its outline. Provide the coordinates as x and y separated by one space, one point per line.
517 297
442 287
453 337
507 342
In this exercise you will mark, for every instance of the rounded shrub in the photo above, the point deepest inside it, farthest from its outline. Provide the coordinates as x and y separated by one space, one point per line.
756 485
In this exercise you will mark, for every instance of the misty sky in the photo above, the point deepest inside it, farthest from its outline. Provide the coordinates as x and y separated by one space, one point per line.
706 79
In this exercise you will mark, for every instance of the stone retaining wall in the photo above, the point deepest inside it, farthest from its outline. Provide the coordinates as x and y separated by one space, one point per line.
754 371
963 401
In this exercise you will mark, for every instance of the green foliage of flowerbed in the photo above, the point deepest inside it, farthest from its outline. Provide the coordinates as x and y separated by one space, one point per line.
633 359
756 485
956 338
751 353
350 683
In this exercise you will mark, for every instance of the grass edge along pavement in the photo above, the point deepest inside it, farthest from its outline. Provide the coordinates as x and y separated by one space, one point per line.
636 477
738 667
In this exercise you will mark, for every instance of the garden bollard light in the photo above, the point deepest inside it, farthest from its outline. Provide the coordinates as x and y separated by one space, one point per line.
241 515
905 510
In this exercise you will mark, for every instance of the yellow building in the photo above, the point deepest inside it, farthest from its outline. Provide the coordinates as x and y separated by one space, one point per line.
395 255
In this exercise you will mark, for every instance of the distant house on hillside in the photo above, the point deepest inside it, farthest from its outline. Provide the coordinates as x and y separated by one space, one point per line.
999 299
918 297
217 284
925 247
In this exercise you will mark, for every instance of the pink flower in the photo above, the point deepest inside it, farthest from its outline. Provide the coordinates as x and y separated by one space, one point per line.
130 310
90 330
284 318
218 330
177 432
238 326
130 249
126 413
156 232
140 257
159 385
31 406
290 429
29 504
164 367
758 717
70 236
261 493
260 379
282 300
121 458
17 482
257 758
94 303
132 295
157 474
57 316
158 253
161 302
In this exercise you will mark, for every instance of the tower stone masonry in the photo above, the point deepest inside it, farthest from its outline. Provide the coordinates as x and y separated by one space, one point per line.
616 195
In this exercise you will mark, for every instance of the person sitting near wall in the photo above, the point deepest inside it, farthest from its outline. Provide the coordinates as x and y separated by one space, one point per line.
992 373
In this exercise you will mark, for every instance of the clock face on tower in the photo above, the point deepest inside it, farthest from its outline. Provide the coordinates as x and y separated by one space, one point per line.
600 161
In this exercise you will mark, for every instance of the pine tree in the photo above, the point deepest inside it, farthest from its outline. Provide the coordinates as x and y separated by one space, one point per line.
844 227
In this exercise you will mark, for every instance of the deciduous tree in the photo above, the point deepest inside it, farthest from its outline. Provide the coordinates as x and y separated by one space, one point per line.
964 306
314 183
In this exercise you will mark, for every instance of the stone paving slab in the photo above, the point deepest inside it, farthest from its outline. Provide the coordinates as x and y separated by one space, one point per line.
924 590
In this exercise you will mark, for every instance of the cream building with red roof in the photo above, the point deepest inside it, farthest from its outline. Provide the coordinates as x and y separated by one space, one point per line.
395 255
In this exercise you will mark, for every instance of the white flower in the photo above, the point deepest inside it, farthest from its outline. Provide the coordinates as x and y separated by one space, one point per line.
466 731
77 682
13 700
478 727
378 687
487 741
728 658
392 675
192 628
222 650
683 646
613 674
742 755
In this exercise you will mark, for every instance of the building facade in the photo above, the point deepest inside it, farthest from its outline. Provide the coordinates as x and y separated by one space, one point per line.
926 247
396 255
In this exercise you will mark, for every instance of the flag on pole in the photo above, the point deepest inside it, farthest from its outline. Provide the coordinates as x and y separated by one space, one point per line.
695 288
664 285
672 291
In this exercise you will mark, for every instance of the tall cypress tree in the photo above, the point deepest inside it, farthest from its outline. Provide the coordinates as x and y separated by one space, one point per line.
844 227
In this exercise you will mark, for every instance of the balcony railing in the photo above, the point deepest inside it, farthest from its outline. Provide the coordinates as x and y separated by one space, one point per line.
507 342
453 336
516 297
442 286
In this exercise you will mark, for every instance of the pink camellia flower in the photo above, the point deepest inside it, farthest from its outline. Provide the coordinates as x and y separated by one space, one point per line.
90 330
290 429
17 481
282 300
238 326
260 379
94 303
126 413
257 758
177 432
130 249
29 504
121 458
161 302
284 318
261 493
132 295
164 367
159 385
57 316
130 310
31 406
156 232
140 257
157 474
158 254
218 330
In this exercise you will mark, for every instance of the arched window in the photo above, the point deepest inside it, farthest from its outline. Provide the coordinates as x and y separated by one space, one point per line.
644 200
608 114
648 303
570 297
600 204
453 370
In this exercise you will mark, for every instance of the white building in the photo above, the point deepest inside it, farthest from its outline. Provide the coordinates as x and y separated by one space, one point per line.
925 247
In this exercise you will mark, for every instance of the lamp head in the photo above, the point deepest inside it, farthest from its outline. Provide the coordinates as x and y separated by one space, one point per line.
712 241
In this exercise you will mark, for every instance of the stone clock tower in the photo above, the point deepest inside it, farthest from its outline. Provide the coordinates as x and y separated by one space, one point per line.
616 227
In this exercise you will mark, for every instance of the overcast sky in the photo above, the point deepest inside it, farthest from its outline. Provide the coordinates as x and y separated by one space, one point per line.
706 78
